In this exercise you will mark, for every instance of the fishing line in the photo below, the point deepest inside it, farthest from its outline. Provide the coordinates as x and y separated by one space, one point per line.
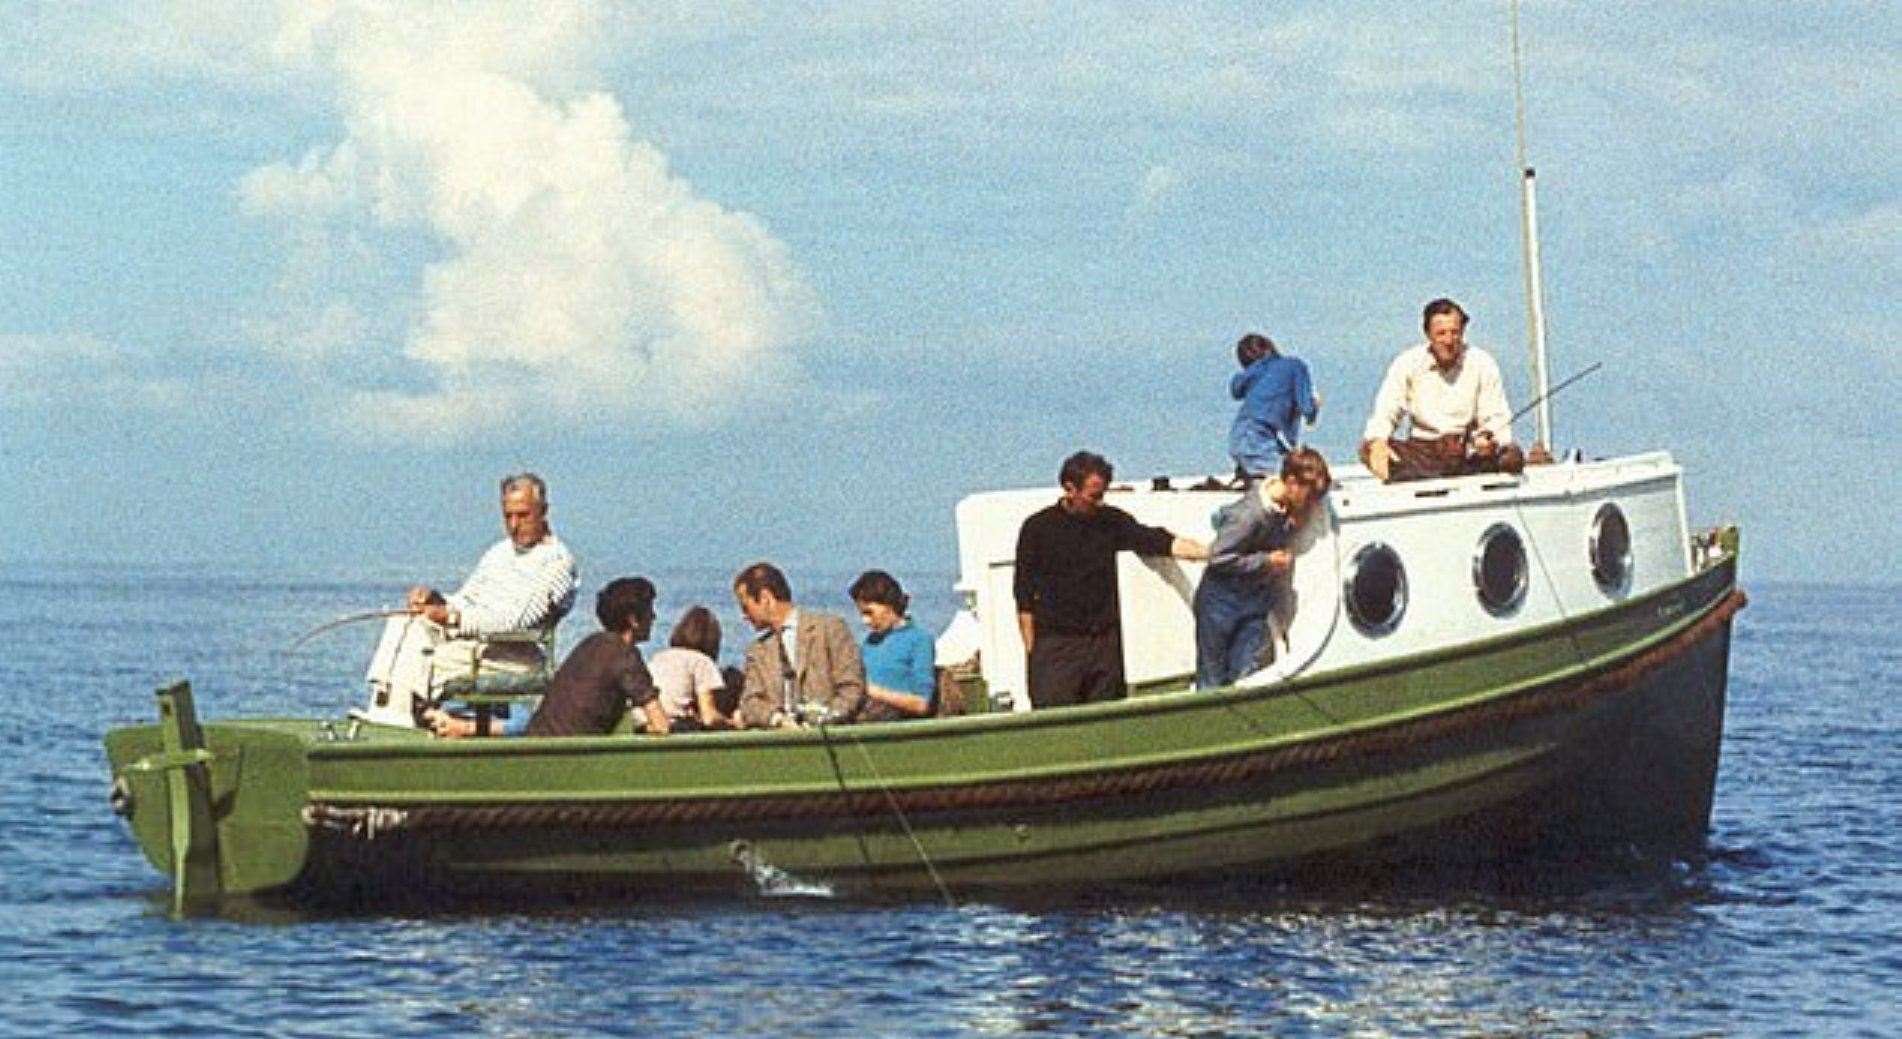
903 821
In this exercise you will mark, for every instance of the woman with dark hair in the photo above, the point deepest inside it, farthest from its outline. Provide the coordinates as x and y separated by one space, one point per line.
901 678
687 674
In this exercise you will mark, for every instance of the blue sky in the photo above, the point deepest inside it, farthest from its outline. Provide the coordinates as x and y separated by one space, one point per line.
289 285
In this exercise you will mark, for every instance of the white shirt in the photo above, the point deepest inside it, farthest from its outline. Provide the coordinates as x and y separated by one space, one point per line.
515 589
789 639
1438 402
681 675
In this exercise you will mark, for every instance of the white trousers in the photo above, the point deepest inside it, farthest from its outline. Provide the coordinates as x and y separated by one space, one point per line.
413 659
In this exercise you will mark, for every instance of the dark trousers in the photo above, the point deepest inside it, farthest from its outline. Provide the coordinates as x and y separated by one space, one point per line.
1073 669
1421 459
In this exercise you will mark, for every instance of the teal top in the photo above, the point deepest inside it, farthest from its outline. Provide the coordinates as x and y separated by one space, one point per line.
902 660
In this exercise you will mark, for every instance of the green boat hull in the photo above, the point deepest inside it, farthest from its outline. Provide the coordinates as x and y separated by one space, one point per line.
1598 733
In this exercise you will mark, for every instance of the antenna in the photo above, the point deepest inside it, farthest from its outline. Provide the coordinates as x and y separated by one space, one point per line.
1529 229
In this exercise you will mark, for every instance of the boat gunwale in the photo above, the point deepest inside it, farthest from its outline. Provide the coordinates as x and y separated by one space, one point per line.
1038 793
1549 686
1148 704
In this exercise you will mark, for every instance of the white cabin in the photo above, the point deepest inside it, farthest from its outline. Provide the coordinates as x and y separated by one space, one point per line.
1385 570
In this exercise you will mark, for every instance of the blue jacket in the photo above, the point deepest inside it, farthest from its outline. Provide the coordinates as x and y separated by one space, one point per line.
902 660
1276 394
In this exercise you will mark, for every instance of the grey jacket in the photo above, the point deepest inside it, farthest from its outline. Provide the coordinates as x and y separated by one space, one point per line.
1245 532
831 673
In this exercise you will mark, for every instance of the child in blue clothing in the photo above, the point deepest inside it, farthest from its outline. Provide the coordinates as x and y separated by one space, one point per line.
1276 394
901 677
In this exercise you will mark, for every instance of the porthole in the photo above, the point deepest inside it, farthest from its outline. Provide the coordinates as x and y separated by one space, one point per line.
1499 568
1610 550
1376 589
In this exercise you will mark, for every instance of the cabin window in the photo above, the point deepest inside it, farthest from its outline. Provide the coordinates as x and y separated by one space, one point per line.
1610 549
1499 569
1376 588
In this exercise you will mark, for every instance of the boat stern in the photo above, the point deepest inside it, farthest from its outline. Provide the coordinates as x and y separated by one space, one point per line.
217 808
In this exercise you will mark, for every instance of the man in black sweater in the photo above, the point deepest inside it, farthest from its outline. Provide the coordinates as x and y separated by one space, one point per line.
1065 585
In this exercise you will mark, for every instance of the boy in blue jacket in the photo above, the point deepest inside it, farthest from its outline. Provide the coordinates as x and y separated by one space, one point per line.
1276 394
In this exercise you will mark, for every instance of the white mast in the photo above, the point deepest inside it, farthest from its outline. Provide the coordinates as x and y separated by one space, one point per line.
1529 227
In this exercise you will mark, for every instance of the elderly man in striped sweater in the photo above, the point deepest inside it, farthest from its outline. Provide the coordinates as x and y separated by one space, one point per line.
524 583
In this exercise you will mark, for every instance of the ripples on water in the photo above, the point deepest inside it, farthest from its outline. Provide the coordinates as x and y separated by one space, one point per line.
1788 927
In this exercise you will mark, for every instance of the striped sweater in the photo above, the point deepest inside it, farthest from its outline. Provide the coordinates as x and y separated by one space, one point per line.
516 589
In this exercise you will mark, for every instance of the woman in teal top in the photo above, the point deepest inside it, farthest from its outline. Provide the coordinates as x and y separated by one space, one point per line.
901 677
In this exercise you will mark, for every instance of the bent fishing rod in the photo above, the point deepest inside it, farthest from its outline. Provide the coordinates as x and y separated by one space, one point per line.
346 619
1554 391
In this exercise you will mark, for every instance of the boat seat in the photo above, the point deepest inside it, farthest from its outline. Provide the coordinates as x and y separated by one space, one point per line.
485 689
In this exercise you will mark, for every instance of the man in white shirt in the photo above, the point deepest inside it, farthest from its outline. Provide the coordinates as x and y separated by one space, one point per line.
1454 401
525 583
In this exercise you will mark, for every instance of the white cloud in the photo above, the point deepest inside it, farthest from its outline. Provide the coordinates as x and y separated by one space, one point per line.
81 372
1873 236
576 276
1157 184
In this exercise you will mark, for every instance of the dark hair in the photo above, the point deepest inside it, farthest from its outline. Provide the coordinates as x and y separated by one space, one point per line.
697 629
763 575
1079 467
1253 347
1306 465
881 587
625 599
530 481
1441 306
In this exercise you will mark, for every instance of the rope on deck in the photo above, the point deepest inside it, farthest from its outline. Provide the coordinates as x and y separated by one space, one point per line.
1034 793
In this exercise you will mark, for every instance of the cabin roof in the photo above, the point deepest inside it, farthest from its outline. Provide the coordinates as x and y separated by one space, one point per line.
1357 494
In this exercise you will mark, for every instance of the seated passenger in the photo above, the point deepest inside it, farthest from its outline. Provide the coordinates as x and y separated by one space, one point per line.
687 675
1454 402
523 583
599 680
804 667
1277 393
1250 549
901 677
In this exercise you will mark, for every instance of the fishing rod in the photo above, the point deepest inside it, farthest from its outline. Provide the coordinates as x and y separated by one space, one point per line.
1553 392
351 618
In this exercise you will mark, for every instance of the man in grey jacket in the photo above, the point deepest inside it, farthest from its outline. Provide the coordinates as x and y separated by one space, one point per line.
803 667
1250 549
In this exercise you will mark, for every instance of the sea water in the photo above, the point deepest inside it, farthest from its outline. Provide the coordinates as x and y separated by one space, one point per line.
1790 925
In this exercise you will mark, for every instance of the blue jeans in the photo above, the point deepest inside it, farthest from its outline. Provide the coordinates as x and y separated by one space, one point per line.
1231 622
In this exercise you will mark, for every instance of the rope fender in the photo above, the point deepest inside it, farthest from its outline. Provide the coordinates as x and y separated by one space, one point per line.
1038 793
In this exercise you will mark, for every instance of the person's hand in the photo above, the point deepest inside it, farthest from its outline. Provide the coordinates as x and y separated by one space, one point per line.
419 597
1379 458
1317 405
1189 549
1484 445
1280 560
447 726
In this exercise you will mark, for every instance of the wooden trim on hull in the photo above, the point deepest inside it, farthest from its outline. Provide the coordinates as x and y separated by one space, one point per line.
356 820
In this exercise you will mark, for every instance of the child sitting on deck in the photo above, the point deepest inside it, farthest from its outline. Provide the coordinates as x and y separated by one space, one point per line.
690 681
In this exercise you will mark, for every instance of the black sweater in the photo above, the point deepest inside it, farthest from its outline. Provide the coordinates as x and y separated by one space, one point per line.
1066 566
